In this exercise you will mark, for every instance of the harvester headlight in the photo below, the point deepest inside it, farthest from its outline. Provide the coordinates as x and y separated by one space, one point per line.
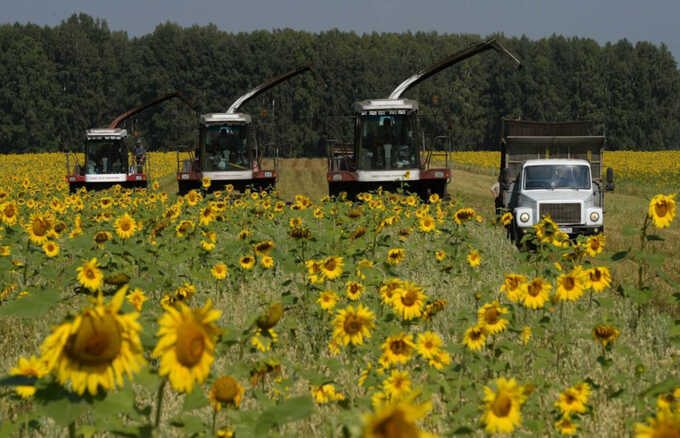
138 178
185 176
267 174
439 174
337 177
524 217
594 216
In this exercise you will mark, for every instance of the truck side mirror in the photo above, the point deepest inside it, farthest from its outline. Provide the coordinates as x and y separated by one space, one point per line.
610 179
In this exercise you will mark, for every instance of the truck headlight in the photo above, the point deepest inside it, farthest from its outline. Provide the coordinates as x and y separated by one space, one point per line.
337 177
524 217
439 174
267 174
594 216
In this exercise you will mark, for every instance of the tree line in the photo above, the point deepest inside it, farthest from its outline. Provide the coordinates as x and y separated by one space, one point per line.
59 81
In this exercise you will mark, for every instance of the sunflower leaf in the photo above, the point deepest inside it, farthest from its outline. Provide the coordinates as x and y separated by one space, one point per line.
290 410
35 305
195 400
661 387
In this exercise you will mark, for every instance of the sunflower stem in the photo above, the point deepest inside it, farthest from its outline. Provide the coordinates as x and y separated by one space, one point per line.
159 402
72 429
214 417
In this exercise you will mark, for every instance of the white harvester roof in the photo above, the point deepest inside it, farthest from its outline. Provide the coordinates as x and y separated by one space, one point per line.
406 105
218 118
106 134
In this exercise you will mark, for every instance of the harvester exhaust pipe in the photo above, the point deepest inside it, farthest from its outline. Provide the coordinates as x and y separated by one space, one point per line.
450 60
265 86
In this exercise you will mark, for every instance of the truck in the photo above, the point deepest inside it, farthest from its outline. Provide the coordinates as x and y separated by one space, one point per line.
553 169
107 161
227 153
387 150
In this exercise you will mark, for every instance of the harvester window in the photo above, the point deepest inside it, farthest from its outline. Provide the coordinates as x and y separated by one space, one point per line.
227 148
106 157
387 142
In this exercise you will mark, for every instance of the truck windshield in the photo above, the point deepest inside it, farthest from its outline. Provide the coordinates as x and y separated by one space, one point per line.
387 142
226 147
556 177
105 157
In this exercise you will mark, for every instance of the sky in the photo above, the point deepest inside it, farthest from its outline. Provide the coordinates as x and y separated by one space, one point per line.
601 20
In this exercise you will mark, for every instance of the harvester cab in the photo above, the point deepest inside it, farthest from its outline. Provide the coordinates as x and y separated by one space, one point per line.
227 152
387 152
107 158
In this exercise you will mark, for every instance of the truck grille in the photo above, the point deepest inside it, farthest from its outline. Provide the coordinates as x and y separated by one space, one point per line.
562 213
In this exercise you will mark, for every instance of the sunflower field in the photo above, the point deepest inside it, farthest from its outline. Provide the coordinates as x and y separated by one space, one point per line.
141 313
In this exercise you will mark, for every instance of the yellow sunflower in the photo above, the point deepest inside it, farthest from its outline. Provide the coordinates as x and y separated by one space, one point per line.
184 228
565 426
396 420
473 258
267 261
489 316
325 393
352 326
125 226
463 215
39 227
605 334
666 424
90 276
226 391
264 247
398 349
506 219
570 286
440 255
51 248
427 223
354 290
512 286
331 268
137 299
395 256
662 210
475 337
96 347
595 245
205 182
327 300
101 237
397 385
597 278
428 344
9 212
219 271
409 300
186 344
570 402
535 293
525 335
31 367
247 262
502 406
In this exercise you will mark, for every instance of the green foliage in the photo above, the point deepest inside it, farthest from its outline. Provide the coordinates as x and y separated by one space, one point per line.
59 81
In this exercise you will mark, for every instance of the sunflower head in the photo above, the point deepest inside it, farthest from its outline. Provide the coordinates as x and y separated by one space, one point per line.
662 210
97 345
226 391
271 317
